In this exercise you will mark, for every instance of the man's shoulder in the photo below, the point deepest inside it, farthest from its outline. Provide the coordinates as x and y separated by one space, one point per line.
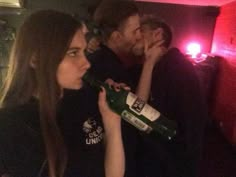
106 64
103 54
177 61
175 54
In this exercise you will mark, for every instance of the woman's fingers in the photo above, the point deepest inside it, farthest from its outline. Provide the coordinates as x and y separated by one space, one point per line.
102 96
124 86
117 86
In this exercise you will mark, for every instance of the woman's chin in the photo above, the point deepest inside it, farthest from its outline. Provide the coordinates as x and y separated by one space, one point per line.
77 87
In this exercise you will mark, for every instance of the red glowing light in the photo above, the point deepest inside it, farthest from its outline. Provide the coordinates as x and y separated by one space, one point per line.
193 49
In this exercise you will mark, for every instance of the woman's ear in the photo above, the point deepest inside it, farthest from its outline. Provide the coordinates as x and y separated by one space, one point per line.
158 34
33 62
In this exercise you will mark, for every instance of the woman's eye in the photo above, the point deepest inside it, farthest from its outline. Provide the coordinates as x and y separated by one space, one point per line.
72 54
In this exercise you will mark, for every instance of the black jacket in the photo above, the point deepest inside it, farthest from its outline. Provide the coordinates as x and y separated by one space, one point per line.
106 64
176 93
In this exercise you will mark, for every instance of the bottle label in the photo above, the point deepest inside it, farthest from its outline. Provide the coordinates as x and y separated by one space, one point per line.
141 108
129 117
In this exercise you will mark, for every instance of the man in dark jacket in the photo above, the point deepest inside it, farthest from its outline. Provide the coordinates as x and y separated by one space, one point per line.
121 33
170 84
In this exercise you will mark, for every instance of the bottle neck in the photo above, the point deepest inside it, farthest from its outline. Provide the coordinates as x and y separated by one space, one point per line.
92 81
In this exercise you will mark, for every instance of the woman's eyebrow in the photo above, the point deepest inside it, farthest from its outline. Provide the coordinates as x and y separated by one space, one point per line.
74 48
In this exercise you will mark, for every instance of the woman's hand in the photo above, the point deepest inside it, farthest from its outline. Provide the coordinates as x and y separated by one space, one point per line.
111 120
114 156
154 52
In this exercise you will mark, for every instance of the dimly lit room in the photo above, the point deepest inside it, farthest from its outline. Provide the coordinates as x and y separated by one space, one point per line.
204 31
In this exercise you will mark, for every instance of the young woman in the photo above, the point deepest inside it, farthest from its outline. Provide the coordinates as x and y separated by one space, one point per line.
48 57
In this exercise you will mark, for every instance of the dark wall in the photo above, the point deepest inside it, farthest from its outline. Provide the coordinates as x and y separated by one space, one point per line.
79 7
189 23
13 18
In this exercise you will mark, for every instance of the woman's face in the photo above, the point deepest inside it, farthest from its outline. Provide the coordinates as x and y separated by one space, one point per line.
74 64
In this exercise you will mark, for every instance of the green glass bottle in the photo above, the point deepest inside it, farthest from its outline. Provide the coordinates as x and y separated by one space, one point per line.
134 110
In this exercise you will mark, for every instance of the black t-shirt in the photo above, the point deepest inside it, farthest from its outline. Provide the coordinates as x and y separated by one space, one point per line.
176 93
106 64
21 144
82 128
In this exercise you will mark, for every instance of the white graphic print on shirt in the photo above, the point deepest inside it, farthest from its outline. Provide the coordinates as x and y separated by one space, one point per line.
94 132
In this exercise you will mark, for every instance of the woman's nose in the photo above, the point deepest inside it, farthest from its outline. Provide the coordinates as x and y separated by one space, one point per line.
87 64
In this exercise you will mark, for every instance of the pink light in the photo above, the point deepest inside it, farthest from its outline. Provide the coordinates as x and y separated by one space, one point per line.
193 49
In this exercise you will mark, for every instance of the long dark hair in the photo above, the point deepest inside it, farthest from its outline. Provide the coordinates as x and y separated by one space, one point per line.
42 41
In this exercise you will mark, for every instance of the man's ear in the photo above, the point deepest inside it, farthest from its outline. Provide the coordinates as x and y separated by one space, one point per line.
33 62
115 36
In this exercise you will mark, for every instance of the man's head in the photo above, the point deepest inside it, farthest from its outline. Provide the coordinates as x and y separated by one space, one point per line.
119 23
153 30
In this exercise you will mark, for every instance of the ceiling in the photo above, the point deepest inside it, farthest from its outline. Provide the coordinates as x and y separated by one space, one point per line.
187 2
193 2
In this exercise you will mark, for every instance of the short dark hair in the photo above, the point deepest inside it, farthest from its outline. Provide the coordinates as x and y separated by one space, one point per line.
154 23
111 14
